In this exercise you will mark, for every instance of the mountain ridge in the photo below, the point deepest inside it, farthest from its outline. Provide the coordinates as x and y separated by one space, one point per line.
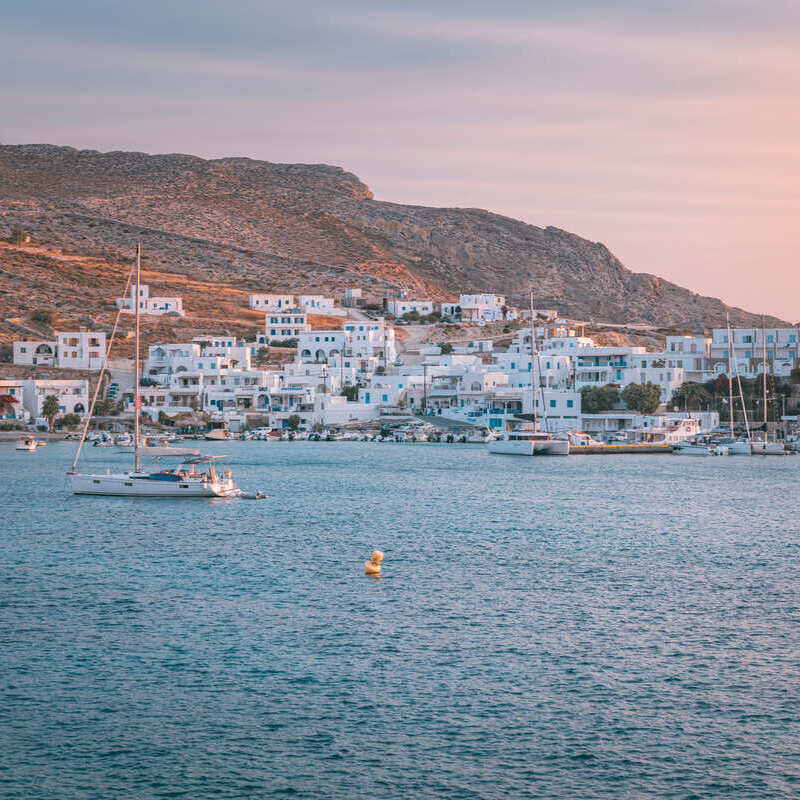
260 225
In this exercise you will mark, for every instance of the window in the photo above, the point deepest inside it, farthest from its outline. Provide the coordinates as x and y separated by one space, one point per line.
570 403
552 404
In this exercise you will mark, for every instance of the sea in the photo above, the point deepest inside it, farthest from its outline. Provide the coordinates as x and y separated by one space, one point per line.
581 627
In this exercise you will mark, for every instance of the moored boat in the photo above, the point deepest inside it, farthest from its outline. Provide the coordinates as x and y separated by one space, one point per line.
766 448
529 442
27 443
185 481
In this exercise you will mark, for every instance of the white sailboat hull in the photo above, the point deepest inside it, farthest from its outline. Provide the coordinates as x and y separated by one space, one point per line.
767 448
128 485
693 450
528 447
739 449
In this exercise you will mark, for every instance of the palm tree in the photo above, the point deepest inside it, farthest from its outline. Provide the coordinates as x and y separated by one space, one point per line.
50 409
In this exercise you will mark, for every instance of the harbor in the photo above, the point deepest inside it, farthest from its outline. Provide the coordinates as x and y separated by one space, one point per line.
223 635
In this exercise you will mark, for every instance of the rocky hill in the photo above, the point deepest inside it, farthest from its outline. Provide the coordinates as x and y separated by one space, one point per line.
216 229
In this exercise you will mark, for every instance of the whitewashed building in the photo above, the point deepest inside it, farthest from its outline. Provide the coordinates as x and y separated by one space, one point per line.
73 396
485 307
315 303
286 324
36 352
150 305
271 302
782 346
399 307
352 297
81 350
12 406
70 350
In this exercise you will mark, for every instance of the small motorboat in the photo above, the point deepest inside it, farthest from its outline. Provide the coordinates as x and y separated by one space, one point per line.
690 448
27 443
252 495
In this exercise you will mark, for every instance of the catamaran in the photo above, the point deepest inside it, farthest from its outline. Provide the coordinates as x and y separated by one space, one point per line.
528 439
194 476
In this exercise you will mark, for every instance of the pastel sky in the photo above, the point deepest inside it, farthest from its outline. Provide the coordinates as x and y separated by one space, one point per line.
670 131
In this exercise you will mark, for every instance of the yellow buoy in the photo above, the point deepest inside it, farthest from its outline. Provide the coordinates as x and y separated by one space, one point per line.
373 566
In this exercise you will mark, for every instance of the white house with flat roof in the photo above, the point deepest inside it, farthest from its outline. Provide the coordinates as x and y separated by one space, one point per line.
782 346
352 297
36 352
315 303
399 307
70 350
81 350
73 396
154 306
485 307
286 324
271 302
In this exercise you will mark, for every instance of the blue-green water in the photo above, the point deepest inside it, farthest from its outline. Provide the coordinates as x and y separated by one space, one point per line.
608 627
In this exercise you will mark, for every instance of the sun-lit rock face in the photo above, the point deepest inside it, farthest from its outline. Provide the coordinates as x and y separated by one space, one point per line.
254 224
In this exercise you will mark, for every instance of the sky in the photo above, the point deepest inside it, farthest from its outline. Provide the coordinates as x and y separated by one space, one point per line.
669 131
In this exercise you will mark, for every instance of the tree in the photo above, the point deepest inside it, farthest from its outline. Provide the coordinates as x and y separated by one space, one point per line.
69 420
446 348
595 399
50 409
350 392
690 395
411 316
294 422
642 397
44 315
164 418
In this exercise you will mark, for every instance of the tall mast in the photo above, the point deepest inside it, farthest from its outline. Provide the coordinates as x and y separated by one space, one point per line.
533 370
730 369
137 400
764 359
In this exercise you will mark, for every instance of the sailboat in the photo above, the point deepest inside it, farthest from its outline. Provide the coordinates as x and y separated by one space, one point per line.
734 447
529 439
765 447
194 475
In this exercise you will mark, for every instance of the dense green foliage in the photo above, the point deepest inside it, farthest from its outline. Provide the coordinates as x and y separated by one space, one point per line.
595 399
642 397
44 315
713 396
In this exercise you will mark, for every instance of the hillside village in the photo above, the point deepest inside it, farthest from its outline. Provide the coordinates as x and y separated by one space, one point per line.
369 361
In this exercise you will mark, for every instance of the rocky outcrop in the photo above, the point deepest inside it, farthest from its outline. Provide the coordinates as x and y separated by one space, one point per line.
255 224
